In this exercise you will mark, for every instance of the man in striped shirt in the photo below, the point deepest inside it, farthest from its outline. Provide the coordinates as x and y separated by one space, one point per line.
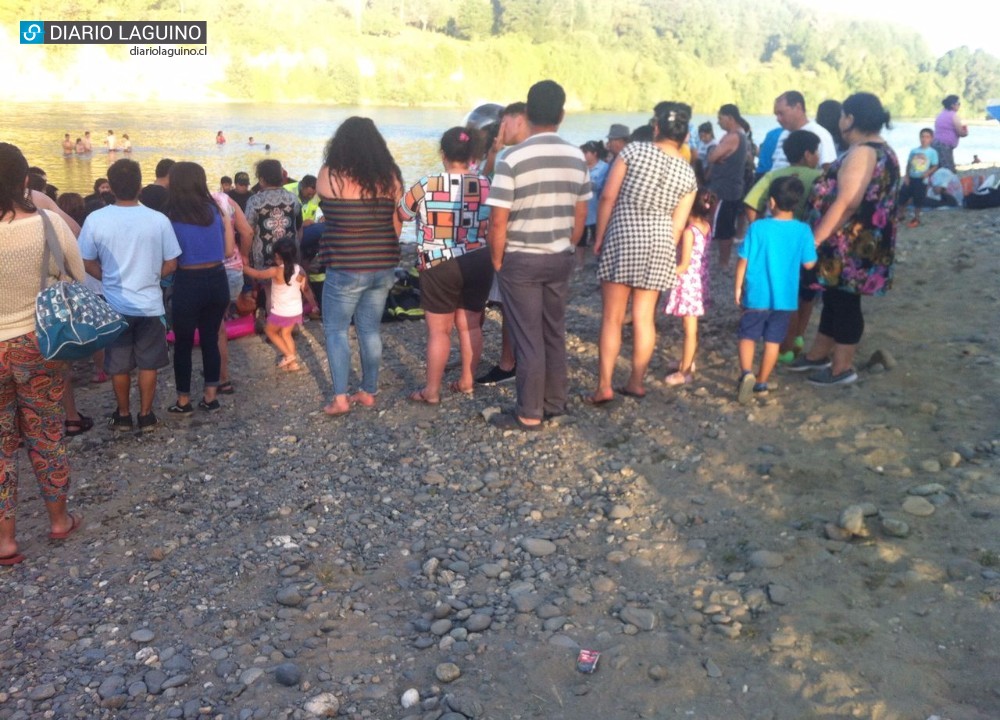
539 199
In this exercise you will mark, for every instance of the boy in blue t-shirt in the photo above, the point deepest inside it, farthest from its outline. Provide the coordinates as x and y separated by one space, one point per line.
768 270
921 164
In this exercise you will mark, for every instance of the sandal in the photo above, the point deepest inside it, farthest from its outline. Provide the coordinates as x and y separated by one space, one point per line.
332 411
76 522
99 377
77 427
285 362
362 398
291 367
226 388
418 398
456 387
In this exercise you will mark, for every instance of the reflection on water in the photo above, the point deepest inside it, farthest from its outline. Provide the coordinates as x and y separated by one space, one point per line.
297 135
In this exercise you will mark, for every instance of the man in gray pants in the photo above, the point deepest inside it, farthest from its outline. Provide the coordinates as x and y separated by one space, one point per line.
539 200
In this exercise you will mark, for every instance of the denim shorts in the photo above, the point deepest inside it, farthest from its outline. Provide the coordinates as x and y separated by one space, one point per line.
235 279
772 325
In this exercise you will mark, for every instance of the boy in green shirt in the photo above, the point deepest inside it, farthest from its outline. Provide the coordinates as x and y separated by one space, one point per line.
802 149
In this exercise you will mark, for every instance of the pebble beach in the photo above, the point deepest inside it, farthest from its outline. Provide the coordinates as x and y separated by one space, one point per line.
820 553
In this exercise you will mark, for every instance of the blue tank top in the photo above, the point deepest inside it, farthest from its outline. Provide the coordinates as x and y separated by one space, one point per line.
200 243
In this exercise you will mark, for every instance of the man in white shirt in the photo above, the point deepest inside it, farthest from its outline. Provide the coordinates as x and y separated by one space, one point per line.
790 111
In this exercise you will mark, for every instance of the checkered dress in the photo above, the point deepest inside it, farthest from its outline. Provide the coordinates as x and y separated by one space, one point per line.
639 249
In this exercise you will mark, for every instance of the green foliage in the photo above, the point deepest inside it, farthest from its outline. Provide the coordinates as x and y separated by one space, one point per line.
625 55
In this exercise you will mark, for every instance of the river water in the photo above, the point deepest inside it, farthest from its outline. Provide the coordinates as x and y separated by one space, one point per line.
297 135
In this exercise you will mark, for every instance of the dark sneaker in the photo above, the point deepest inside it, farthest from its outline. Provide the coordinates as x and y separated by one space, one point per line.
744 388
178 409
826 377
496 375
802 363
147 423
120 422
761 389
209 406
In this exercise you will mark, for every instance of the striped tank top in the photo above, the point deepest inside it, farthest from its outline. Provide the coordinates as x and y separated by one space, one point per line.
359 235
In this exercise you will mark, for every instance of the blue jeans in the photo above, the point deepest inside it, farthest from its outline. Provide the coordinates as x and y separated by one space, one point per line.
361 295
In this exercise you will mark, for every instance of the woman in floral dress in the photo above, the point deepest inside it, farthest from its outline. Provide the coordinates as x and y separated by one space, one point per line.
855 203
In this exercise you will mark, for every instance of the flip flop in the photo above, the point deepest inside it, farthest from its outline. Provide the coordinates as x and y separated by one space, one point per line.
334 413
628 393
76 524
363 399
456 387
595 402
507 421
12 560
417 397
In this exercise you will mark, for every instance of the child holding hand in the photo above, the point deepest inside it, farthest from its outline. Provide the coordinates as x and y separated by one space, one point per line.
288 283
767 282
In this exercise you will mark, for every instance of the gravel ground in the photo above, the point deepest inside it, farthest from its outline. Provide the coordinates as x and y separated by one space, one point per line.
821 553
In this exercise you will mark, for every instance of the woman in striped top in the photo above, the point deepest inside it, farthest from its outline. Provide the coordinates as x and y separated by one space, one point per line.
359 186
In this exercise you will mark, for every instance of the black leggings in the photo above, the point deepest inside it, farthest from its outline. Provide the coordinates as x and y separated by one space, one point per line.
841 318
200 300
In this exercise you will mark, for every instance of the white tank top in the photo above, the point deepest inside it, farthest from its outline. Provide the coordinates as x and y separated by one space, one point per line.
286 300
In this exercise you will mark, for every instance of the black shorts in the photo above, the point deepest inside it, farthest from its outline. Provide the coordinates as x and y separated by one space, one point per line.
726 215
459 284
143 345
841 317
807 278
915 189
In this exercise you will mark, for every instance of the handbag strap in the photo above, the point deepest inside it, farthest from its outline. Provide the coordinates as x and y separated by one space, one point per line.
52 249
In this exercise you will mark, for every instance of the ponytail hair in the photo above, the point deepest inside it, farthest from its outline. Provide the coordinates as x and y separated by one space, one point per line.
459 145
704 200
285 249
672 121
867 112
733 111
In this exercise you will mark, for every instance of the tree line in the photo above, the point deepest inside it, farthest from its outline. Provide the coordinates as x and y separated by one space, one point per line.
621 56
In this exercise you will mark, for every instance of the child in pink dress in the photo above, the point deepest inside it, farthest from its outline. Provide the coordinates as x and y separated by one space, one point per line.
689 298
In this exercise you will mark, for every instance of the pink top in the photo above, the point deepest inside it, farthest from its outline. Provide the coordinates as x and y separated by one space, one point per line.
235 261
944 128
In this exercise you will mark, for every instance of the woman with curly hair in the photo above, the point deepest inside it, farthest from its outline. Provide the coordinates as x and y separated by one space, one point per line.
359 186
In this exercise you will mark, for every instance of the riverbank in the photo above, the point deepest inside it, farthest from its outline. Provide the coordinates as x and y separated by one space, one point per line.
821 553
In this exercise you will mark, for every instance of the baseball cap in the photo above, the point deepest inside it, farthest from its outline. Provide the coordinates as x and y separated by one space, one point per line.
619 132
241 178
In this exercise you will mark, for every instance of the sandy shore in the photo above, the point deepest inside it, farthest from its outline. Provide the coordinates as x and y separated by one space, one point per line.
823 553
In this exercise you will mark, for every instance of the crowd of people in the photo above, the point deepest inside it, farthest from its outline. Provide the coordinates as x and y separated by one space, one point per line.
503 221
